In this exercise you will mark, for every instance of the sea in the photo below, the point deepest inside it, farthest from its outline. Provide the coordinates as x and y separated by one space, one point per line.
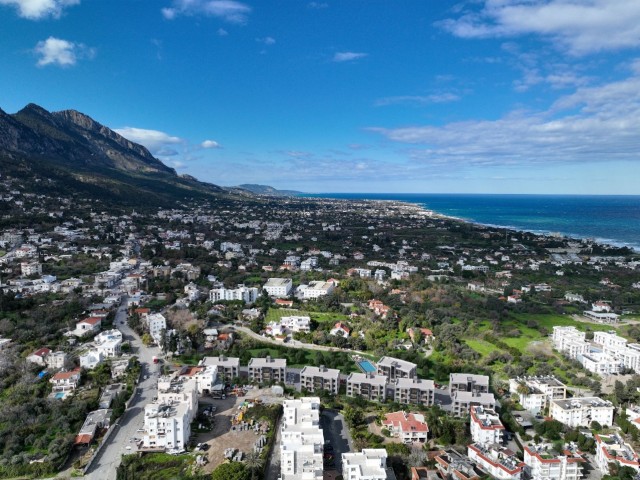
610 219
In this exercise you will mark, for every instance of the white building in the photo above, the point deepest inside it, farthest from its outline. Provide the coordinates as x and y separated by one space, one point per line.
167 425
228 367
301 440
368 386
394 368
267 370
542 464
156 324
414 391
316 289
278 287
408 427
485 426
370 464
108 343
580 412
570 341
320 378
499 462
91 359
613 449
247 294
535 393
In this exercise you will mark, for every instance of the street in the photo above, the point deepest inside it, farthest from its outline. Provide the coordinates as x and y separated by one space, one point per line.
105 464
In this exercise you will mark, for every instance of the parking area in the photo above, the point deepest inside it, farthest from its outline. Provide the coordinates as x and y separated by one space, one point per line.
337 441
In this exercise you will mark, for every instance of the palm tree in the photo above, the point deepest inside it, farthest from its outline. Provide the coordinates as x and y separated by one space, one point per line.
254 463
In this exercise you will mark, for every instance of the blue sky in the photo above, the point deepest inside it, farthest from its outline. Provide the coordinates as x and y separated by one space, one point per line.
486 96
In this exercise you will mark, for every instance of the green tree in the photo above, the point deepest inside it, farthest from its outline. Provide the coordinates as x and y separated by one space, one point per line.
231 471
353 416
254 463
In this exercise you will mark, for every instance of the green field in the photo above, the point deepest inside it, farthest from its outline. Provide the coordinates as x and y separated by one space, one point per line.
481 346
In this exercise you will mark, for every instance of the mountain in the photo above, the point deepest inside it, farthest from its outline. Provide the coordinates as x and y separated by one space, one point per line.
267 190
77 155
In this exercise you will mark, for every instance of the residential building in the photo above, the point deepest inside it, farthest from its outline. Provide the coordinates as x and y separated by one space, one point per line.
88 326
167 425
66 381
340 329
108 343
570 341
39 357
247 294
542 463
278 287
228 367
535 393
320 378
393 368
317 289
498 461
267 370
408 427
415 391
301 440
613 449
57 360
370 464
91 359
95 421
368 386
463 401
467 382
485 426
156 323
580 412
454 465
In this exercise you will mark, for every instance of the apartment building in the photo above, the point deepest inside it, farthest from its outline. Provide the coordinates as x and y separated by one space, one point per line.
156 324
467 382
313 379
613 449
454 465
542 463
317 289
485 426
414 391
499 462
535 393
301 440
278 287
394 368
463 401
228 367
580 412
267 370
368 386
628 355
370 464
167 426
570 341
247 294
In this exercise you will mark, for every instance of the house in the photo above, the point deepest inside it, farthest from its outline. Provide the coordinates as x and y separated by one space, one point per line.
66 381
91 359
581 411
320 378
408 427
108 343
379 308
302 440
95 421
88 326
39 357
283 302
340 329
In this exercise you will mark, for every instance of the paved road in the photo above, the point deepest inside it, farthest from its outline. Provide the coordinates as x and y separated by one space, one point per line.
336 434
105 465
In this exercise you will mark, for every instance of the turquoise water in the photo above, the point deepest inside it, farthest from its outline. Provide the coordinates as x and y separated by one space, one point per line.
613 219
60 395
366 366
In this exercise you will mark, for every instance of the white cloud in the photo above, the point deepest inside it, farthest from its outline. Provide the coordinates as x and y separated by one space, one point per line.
230 11
157 142
266 40
418 99
38 9
348 56
317 5
583 27
222 32
210 144
63 53
593 124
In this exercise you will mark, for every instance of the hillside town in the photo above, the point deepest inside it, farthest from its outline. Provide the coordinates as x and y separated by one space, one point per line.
309 339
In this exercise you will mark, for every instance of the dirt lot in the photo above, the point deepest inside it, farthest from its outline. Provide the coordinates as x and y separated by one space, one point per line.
222 436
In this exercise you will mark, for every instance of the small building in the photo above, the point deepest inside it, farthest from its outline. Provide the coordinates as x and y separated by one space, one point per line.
408 427
66 381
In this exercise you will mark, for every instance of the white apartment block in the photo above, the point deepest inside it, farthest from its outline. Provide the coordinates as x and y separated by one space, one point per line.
247 294
535 393
301 440
166 426
414 391
267 370
394 368
156 324
628 355
485 426
320 378
542 464
613 449
370 464
108 343
570 341
317 289
368 386
278 287
467 382
463 401
499 462
580 412
228 367
600 363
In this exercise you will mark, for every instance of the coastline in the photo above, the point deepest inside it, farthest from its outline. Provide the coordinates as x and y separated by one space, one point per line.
559 233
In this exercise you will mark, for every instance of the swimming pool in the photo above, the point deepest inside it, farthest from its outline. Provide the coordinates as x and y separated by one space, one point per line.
60 395
366 366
